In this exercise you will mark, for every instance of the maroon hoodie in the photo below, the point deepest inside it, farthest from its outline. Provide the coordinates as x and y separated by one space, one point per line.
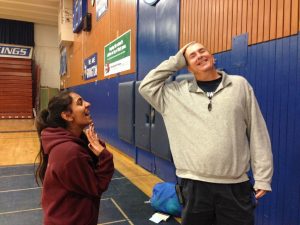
75 179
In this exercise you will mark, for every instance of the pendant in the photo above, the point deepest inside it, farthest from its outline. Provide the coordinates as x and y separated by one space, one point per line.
209 107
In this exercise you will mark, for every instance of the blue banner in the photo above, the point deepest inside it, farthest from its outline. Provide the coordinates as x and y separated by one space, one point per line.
15 51
79 11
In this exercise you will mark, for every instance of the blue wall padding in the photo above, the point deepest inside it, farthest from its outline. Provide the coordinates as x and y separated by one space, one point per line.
273 70
165 169
126 111
157 39
142 121
145 159
159 138
239 50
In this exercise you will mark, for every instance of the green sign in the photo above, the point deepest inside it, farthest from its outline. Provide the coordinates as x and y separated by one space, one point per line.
117 54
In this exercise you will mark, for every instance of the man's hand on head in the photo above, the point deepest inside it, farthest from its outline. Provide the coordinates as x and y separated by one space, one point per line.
183 49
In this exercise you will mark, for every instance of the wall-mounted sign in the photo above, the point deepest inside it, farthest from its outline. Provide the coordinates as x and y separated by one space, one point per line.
101 7
15 51
79 11
90 67
117 55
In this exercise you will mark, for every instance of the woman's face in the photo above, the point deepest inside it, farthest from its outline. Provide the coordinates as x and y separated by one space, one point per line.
80 111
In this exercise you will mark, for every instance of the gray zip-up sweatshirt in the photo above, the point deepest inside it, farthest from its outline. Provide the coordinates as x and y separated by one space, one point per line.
215 146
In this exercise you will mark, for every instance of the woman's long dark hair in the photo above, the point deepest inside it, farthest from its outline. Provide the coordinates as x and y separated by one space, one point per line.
50 117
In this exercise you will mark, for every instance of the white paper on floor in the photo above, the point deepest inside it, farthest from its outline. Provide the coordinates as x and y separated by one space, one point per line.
158 217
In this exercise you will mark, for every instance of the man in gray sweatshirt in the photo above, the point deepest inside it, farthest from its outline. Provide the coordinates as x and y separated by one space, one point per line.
216 133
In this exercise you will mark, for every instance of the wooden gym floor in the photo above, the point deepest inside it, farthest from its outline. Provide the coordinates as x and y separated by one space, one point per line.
19 144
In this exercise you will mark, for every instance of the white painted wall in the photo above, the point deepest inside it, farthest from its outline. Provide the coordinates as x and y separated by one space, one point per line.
46 54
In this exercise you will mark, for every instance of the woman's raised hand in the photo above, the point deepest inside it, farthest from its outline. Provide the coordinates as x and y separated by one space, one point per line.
94 144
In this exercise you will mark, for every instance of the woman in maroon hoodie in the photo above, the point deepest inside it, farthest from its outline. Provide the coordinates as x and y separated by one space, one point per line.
75 167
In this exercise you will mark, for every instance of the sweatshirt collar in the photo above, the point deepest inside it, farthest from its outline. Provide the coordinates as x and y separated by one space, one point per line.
226 80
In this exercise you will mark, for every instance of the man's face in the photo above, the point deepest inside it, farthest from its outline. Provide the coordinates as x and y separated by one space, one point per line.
198 58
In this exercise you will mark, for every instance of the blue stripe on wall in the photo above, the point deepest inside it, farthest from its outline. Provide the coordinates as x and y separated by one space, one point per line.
158 38
293 198
158 34
296 139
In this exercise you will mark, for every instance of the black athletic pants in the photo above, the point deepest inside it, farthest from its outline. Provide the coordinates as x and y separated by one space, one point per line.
217 204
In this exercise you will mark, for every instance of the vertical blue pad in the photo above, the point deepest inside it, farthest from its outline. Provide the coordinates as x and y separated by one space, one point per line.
142 120
126 111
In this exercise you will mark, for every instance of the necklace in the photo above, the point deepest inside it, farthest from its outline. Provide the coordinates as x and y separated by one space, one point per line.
209 95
